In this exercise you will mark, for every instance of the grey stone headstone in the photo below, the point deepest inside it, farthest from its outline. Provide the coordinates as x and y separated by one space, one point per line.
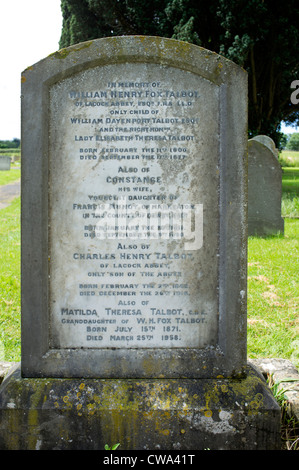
5 161
264 190
148 133
268 142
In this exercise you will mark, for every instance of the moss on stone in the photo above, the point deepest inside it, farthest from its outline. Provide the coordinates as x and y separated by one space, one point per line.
63 53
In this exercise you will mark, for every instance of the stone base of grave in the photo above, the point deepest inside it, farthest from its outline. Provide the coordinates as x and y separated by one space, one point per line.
156 414
261 227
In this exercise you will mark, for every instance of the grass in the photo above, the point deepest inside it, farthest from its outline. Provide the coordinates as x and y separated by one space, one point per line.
10 152
7 177
10 342
290 192
289 422
273 282
273 286
290 181
289 158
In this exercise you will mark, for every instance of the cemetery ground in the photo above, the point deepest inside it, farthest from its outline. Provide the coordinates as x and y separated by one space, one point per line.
273 284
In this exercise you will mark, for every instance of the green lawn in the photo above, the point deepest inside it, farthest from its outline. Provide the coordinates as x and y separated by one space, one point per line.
10 282
7 177
289 158
273 289
290 181
290 192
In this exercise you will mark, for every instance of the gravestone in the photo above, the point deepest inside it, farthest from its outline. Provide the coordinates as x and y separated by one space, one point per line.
264 188
134 253
5 161
266 140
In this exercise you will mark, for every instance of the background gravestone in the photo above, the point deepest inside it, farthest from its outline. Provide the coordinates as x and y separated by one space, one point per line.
5 161
134 243
266 140
264 188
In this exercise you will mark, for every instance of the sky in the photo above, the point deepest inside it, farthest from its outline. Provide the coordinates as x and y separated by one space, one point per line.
29 31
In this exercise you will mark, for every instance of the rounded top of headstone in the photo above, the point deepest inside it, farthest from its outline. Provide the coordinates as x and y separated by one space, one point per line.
134 49
268 142
262 155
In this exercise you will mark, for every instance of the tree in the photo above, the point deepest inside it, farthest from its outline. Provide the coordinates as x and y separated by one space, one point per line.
262 36
10 144
293 143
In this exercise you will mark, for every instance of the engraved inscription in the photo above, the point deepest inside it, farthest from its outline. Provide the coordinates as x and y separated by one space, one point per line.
133 219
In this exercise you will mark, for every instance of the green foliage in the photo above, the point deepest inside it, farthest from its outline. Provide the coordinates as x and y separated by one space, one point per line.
114 447
10 318
289 422
290 192
289 158
293 143
259 35
9 176
272 306
90 19
10 144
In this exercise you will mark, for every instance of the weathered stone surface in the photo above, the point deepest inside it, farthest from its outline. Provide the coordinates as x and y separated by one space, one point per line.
5 366
285 375
264 190
266 140
134 117
160 414
5 161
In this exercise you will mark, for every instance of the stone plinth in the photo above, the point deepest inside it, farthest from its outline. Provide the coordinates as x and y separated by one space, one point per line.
160 414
